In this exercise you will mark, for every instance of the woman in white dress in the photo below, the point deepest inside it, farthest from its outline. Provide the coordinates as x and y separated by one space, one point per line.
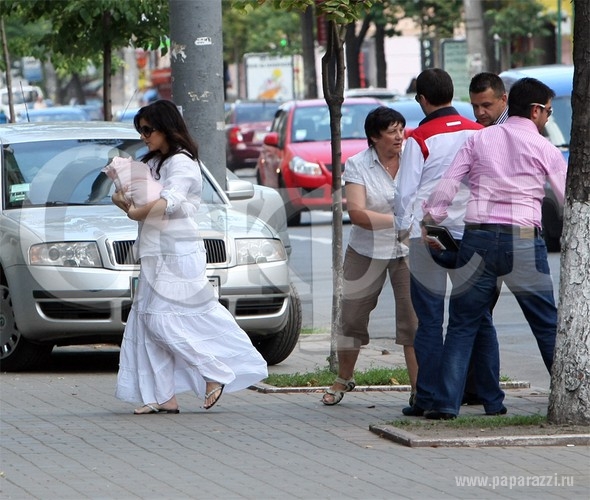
178 336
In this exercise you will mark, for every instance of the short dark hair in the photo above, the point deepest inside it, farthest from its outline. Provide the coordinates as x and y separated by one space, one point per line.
525 92
379 120
484 81
436 85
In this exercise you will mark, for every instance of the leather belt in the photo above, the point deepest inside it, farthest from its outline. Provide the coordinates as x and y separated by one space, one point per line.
520 231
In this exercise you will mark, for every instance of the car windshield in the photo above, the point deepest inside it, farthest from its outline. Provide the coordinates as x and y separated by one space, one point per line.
68 172
560 119
313 123
255 112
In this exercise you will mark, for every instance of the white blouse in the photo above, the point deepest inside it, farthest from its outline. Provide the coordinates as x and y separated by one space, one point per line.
365 169
176 232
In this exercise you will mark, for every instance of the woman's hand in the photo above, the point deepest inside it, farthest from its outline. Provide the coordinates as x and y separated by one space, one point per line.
120 200
154 209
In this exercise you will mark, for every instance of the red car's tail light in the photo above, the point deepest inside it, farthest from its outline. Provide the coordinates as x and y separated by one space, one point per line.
235 136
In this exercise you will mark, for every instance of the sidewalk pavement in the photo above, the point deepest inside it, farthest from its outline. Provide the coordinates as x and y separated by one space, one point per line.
64 436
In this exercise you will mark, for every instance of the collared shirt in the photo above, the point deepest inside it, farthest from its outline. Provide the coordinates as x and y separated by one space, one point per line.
502 118
365 169
428 152
506 167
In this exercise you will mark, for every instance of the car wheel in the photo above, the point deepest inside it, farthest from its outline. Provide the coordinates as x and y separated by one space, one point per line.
278 347
16 353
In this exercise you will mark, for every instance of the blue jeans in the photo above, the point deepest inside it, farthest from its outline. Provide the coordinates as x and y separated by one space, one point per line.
428 285
486 257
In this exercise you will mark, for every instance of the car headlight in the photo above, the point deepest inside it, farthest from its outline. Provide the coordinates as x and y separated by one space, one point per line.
256 251
66 254
300 166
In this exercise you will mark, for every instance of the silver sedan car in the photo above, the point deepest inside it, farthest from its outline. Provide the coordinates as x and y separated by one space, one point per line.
66 264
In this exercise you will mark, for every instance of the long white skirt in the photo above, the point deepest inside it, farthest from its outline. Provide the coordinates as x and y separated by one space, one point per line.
178 336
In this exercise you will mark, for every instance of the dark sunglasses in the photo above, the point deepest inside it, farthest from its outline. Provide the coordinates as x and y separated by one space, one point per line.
146 131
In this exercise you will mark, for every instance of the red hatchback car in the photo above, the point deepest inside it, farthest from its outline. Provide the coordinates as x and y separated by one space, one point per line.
296 157
246 124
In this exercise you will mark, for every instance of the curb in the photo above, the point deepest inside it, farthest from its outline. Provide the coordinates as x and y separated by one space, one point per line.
414 441
271 389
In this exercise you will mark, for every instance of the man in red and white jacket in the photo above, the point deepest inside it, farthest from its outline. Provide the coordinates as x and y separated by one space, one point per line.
428 152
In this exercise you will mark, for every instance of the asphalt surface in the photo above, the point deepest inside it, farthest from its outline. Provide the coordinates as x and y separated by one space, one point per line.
65 436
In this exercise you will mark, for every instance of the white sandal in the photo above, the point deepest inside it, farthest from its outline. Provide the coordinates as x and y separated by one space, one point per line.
349 385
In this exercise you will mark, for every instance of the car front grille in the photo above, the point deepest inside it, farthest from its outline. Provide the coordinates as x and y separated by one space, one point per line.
123 252
216 251
259 306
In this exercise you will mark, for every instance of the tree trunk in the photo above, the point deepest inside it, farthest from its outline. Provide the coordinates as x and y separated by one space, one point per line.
353 49
307 39
106 69
333 86
11 118
381 62
352 58
476 37
569 400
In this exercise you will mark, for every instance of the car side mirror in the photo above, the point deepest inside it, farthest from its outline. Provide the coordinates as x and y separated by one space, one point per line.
272 139
239 189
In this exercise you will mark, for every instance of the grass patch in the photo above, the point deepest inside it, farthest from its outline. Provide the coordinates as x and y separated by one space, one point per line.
476 422
311 331
324 377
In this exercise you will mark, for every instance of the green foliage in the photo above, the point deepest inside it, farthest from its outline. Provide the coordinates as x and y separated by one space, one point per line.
515 19
74 33
339 11
437 18
324 377
259 30
477 421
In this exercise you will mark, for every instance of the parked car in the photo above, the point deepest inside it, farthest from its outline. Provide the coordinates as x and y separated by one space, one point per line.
23 98
413 113
66 263
246 124
126 115
376 92
53 114
560 78
296 157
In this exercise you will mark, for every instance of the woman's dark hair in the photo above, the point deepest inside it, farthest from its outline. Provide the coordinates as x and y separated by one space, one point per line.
436 85
525 92
379 120
165 117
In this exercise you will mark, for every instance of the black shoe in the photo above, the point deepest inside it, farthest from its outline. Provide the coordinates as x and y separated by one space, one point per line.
439 415
471 399
413 411
502 411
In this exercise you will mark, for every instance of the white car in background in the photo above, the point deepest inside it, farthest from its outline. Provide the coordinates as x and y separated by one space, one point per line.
66 265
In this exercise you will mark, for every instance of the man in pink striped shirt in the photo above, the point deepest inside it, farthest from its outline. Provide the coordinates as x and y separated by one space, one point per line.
505 167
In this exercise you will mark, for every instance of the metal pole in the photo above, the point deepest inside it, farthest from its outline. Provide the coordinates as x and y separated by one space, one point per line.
196 60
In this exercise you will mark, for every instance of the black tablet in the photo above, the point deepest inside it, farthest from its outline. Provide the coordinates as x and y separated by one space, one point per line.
444 237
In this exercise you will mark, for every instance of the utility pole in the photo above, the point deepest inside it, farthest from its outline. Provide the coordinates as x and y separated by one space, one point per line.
476 40
196 60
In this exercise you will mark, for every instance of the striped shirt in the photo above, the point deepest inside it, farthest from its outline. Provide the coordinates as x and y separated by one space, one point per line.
506 167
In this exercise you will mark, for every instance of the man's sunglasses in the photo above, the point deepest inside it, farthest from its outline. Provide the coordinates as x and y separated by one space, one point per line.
549 110
146 131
